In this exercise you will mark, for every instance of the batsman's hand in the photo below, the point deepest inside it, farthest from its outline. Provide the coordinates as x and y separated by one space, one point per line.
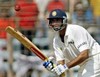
49 64
60 69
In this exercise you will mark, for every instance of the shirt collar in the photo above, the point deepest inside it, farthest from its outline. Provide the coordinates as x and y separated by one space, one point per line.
66 32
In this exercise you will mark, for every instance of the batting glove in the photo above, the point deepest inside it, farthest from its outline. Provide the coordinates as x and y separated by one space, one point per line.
49 64
60 69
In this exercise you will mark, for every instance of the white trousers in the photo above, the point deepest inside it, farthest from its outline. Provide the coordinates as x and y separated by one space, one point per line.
91 68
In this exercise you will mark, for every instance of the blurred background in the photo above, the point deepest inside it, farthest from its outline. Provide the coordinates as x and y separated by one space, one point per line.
29 17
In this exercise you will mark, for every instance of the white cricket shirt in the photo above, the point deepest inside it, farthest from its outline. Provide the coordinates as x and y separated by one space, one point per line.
76 40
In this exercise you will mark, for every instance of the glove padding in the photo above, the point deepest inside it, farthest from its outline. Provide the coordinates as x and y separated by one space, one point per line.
49 64
60 69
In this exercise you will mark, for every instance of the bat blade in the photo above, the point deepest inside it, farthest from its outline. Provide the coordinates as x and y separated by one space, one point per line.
26 42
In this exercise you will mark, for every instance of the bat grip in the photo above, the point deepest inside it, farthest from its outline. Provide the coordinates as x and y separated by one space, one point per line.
52 64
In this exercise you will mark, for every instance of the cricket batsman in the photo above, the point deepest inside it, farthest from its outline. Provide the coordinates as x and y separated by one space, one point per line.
75 44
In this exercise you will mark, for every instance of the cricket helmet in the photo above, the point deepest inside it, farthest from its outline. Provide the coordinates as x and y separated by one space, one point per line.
58 14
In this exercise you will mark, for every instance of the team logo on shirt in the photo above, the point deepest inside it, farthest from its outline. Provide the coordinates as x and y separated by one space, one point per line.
84 43
70 42
61 48
54 13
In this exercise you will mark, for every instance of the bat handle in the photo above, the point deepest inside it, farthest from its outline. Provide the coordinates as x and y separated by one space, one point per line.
54 65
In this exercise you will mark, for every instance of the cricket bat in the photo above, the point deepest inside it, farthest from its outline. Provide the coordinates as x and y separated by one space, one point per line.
26 42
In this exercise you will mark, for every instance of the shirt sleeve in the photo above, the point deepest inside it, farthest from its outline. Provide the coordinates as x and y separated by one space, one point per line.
80 37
